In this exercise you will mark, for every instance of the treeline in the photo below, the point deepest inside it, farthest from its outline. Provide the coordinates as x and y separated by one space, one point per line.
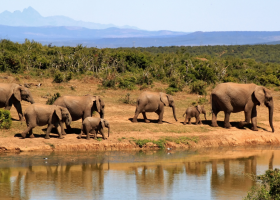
260 53
127 67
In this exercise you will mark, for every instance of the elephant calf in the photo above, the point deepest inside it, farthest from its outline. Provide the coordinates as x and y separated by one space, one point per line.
93 125
194 112
40 115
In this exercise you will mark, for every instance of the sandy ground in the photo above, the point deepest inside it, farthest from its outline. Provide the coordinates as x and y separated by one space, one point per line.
124 132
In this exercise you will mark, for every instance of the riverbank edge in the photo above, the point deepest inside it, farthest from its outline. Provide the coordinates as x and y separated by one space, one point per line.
204 141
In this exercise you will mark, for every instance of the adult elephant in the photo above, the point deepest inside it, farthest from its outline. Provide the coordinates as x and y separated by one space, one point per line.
153 102
12 94
234 97
81 107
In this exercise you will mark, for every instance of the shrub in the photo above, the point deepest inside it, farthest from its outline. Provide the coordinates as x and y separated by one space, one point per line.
5 119
109 83
52 98
58 77
268 187
198 87
69 76
127 83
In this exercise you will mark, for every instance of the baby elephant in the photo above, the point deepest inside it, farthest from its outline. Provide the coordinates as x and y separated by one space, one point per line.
93 125
40 115
194 112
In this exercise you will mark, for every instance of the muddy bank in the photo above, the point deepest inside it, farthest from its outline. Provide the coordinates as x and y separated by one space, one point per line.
222 138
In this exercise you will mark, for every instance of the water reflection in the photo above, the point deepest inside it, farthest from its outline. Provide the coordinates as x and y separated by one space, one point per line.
204 174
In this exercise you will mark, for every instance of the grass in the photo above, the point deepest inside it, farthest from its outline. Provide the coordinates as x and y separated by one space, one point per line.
162 141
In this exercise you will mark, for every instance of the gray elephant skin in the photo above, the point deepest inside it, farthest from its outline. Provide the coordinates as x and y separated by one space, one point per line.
93 125
194 111
81 107
153 102
12 94
51 115
234 97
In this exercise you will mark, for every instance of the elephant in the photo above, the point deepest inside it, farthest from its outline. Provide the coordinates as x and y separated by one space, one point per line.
233 97
194 112
40 115
153 102
93 125
81 107
12 94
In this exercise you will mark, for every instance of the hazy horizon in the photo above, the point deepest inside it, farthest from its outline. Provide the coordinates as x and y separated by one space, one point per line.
178 15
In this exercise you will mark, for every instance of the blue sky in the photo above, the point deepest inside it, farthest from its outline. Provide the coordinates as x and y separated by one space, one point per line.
175 15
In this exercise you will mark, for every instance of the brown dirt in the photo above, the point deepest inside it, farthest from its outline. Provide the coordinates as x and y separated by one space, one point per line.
123 131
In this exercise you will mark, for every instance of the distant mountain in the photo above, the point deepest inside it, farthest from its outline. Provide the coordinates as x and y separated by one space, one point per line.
63 33
30 17
115 37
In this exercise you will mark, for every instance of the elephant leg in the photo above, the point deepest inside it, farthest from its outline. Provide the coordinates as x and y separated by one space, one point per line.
254 118
185 120
88 134
160 113
247 118
95 133
102 133
189 120
23 134
19 110
198 120
137 112
60 130
226 121
48 131
214 118
30 135
145 117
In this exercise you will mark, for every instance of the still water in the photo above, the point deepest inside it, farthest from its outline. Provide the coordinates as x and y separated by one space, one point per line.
203 174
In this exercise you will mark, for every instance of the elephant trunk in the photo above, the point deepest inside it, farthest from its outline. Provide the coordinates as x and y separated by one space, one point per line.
31 100
108 131
68 120
271 117
101 114
174 113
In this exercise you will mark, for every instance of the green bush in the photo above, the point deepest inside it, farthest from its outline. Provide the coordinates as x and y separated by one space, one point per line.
69 76
52 98
127 83
58 77
109 83
268 187
5 119
198 87
269 79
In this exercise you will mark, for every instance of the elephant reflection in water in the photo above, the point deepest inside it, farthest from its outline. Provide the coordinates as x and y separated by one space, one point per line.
63 178
152 180
229 180
195 168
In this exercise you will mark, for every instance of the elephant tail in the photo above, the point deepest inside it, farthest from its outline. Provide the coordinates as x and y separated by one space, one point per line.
184 114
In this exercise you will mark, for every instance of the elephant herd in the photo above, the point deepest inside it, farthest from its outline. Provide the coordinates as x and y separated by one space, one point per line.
226 97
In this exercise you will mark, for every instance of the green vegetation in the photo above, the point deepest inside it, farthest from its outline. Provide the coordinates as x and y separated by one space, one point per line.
162 141
53 98
268 186
131 68
5 119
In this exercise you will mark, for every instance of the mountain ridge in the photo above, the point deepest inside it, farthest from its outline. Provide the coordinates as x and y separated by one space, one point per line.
31 17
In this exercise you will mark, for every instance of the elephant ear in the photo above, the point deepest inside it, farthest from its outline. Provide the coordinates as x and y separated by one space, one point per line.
17 94
58 113
164 99
102 122
199 108
97 103
260 94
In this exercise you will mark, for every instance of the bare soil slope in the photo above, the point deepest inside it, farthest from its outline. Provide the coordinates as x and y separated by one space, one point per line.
124 133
